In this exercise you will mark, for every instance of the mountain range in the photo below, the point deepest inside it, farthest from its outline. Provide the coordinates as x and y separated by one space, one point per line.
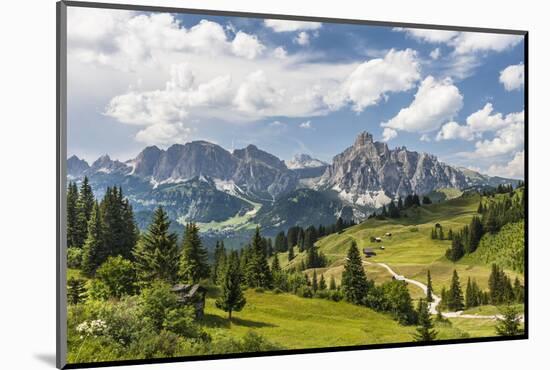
228 192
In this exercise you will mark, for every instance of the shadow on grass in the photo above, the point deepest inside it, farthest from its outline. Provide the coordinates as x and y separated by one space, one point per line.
215 321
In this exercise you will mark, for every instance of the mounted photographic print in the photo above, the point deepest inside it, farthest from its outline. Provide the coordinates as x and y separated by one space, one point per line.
235 184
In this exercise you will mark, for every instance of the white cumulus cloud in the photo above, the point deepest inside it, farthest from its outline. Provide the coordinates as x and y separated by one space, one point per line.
278 25
388 134
481 121
247 46
371 81
435 102
514 169
512 77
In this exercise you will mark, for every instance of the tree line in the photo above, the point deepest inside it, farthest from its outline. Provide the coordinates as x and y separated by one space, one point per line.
501 292
394 210
495 213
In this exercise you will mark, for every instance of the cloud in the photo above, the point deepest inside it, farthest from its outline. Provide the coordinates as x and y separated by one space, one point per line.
512 77
256 94
468 42
435 102
371 81
506 140
514 169
306 124
247 46
126 40
290 26
435 54
431 36
280 53
464 42
163 112
425 137
302 38
388 134
477 123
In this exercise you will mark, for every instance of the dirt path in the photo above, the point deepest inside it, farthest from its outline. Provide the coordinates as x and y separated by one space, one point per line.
436 299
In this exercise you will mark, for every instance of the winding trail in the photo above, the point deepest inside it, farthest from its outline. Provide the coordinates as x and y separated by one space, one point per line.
436 299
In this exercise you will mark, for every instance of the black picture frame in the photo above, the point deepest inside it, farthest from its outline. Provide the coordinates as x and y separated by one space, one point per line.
61 145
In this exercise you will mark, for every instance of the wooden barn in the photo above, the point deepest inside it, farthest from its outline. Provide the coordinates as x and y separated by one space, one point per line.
369 252
191 295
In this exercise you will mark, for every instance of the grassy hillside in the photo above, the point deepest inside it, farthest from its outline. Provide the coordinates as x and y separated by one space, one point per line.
505 248
410 251
294 322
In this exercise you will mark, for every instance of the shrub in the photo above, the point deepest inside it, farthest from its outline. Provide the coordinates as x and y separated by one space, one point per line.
156 302
413 229
181 321
118 276
259 290
74 257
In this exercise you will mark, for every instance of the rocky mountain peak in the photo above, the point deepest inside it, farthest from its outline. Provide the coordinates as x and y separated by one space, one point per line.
362 139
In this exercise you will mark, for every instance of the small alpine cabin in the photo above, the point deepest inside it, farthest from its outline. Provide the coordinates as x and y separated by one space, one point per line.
191 295
369 252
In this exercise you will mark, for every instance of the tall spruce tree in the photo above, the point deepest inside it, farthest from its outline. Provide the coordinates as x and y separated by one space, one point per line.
290 253
354 280
455 300
425 331
231 298
429 288
314 281
219 262
156 255
94 252
120 229
84 207
275 265
194 257
257 269
72 215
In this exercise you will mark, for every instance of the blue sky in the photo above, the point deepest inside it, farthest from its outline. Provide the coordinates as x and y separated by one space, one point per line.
138 79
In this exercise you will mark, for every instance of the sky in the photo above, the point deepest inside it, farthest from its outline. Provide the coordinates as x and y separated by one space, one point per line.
137 79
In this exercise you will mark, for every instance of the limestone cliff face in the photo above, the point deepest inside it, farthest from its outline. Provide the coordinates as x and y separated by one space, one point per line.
369 173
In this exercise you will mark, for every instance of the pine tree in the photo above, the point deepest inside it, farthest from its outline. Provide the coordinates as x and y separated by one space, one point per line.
429 288
475 232
194 257
519 295
292 236
455 299
231 298
275 266
119 226
314 284
76 290
456 251
440 235
281 244
332 283
425 331
470 300
510 323
257 269
72 216
354 281
94 252
322 283
426 200
290 253
156 255
480 208
219 262
84 207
